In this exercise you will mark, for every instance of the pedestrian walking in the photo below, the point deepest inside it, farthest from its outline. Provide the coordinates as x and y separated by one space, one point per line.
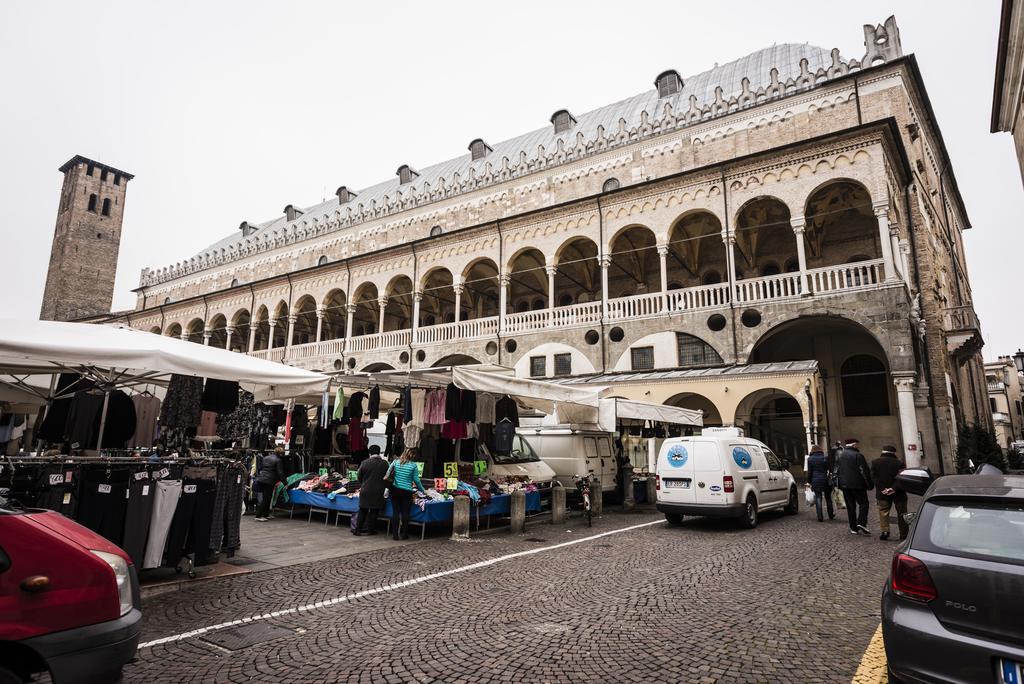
854 481
404 479
884 470
817 476
371 491
271 472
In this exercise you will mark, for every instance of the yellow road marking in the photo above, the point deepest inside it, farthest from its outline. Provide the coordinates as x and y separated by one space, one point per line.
872 664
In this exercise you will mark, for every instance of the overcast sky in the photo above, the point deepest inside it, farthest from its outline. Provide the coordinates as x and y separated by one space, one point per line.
228 111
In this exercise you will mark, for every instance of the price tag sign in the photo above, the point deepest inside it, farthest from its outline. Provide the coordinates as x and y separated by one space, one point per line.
479 467
322 472
141 475
453 483
353 474
104 489
440 484
145 490
419 467
56 479
67 498
300 440
451 470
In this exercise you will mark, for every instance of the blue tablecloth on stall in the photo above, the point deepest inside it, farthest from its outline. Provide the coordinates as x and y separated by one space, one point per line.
435 511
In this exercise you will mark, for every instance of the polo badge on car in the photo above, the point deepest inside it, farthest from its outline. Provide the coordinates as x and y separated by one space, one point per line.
742 457
677 456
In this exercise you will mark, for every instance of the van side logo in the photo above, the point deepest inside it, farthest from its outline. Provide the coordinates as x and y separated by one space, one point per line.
677 456
742 457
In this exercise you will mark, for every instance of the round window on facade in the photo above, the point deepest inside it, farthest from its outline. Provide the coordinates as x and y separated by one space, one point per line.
616 334
404 357
716 322
435 231
421 356
491 348
352 362
610 184
592 337
338 364
511 346
751 318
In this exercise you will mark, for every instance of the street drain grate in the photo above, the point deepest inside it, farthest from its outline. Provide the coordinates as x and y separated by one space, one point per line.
535 540
238 638
241 561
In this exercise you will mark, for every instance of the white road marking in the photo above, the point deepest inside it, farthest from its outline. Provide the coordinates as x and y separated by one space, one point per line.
387 587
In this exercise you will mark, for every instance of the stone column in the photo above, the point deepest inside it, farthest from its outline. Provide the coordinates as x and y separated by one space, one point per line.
894 241
517 511
292 318
460 518
551 270
628 502
272 322
382 304
730 263
253 327
663 265
504 279
882 216
458 286
606 262
320 312
229 331
904 254
799 226
206 338
908 419
417 297
350 310
558 505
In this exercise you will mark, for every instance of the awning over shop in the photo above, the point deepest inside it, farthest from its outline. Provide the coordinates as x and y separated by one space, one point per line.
632 409
120 356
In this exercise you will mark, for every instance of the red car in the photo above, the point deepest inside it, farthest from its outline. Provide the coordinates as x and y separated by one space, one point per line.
69 600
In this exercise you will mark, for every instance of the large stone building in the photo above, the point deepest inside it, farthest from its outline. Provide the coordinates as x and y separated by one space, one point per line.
86 241
776 240
1008 96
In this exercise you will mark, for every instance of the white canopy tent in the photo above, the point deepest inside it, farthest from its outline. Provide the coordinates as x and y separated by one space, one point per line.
118 357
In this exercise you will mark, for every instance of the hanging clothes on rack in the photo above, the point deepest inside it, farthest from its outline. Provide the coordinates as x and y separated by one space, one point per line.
485 407
147 410
54 425
182 405
104 498
373 403
83 419
225 532
238 425
165 503
506 408
138 516
220 396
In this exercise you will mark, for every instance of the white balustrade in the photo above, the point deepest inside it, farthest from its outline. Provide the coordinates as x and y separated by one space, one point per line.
316 349
526 321
576 314
635 306
701 297
768 288
463 330
859 275
269 354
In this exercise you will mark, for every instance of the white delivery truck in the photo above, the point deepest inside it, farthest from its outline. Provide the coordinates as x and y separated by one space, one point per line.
720 473
575 450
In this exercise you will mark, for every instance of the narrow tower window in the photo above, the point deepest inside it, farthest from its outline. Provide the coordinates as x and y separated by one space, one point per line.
89 169
92 202
106 207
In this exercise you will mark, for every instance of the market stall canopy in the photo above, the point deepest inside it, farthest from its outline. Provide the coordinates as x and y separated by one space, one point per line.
614 409
124 356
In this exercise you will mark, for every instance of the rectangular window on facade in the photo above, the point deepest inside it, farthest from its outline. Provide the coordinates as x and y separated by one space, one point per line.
103 175
992 404
563 364
538 366
642 358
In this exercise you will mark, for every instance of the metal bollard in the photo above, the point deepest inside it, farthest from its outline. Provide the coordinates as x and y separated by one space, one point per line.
628 502
652 493
460 518
517 511
596 497
558 505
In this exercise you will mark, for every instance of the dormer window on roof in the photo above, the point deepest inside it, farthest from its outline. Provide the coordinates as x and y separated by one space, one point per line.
344 195
478 149
292 212
246 228
563 120
406 174
668 83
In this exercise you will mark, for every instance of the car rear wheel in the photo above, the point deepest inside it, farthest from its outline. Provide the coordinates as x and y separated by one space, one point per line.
749 519
674 518
793 507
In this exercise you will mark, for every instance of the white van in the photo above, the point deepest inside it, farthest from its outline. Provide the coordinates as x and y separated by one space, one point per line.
575 450
720 473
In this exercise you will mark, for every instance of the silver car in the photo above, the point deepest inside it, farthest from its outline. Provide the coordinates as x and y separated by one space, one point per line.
953 608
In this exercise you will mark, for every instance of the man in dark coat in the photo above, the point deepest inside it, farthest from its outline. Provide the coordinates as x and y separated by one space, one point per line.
817 477
854 481
371 491
271 472
884 470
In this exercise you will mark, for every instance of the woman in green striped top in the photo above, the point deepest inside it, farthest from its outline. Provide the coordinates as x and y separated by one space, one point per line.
405 479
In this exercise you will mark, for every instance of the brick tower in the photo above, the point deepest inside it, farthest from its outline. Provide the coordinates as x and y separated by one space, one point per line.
86 241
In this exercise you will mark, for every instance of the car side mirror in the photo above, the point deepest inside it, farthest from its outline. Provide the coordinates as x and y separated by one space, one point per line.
914 480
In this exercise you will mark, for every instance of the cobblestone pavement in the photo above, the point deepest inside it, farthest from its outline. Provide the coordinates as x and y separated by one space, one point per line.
791 601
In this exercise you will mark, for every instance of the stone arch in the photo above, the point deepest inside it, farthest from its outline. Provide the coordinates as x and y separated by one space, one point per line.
280 327
156 330
377 367
695 249
455 360
366 317
578 278
241 321
481 294
777 418
438 303
195 329
304 330
634 265
262 323
841 224
398 312
217 330
335 314
764 237
173 330
696 401
528 279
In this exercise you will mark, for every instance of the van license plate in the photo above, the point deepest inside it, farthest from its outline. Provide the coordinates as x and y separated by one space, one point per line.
677 484
1011 672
